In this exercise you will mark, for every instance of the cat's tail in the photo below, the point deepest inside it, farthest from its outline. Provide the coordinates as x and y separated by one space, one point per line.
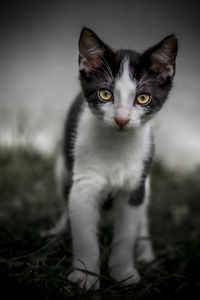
61 178
60 227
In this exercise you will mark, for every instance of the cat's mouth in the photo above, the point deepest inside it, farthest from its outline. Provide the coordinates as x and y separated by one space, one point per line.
128 127
123 128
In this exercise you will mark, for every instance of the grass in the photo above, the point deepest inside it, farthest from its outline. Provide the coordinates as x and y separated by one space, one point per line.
33 267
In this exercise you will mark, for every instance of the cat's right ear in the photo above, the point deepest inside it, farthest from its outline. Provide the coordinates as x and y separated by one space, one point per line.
161 58
91 50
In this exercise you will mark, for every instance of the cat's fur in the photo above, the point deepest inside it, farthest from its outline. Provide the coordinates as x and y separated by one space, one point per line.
107 153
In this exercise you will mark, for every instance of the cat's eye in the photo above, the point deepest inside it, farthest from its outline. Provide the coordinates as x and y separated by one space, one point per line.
105 94
143 98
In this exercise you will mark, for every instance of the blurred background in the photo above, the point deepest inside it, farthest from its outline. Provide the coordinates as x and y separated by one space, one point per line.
38 81
39 70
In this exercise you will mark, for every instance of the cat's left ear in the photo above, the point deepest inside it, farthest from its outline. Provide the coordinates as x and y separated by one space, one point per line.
162 57
91 50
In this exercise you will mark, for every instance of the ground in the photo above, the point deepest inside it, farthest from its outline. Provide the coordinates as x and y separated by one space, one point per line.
34 267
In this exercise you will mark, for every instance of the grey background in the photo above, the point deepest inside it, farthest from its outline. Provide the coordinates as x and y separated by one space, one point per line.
39 70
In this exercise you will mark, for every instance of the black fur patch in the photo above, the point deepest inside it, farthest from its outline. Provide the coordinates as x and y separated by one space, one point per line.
70 130
108 203
149 69
138 195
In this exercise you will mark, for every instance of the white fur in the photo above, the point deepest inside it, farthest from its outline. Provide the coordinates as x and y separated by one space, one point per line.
115 157
106 160
145 251
125 87
126 226
124 107
129 225
109 160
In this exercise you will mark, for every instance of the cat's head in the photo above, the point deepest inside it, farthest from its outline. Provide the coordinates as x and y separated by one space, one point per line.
125 88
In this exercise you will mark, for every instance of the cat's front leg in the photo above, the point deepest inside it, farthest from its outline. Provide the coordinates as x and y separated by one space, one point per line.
126 226
84 216
144 246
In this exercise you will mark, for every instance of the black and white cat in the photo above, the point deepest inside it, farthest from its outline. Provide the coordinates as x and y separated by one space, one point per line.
108 150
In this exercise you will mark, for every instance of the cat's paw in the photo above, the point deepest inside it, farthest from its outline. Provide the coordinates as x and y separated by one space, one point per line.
84 280
125 276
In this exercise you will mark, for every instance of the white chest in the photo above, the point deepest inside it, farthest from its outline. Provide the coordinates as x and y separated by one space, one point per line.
117 158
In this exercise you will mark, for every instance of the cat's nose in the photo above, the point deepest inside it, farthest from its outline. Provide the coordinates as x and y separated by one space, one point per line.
122 121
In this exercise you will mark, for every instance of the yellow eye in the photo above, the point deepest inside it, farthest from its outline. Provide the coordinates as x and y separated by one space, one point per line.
105 95
143 98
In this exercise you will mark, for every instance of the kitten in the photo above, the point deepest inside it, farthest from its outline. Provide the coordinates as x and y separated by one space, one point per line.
108 150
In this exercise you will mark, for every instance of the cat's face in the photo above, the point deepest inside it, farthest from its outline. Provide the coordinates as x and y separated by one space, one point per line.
124 88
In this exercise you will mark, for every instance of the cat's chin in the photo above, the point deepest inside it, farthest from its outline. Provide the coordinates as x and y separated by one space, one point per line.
125 129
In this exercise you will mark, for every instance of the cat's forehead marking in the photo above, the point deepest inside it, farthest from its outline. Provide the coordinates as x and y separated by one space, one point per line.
125 85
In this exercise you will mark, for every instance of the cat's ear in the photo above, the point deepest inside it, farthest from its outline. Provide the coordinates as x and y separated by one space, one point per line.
162 57
91 50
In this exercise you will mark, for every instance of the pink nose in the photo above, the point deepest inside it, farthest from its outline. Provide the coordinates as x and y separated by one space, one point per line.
121 121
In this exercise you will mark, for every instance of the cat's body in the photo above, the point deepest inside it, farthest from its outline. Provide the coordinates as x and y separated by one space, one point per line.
108 150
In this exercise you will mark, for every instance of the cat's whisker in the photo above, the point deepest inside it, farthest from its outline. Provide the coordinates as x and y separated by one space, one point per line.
107 65
106 73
